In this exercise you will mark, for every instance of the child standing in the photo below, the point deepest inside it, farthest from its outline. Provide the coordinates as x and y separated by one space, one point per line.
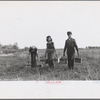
33 52
50 50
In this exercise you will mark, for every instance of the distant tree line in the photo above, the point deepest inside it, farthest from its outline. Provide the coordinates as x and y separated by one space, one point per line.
12 48
93 47
9 48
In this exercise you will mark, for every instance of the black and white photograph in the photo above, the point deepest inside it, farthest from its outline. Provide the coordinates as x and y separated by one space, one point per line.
51 41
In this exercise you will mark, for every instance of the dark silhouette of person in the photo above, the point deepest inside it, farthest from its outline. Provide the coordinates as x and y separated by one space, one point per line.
50 50
33 52
70 46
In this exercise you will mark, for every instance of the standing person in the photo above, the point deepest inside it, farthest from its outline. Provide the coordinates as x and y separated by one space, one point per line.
34 55
70 45
50 50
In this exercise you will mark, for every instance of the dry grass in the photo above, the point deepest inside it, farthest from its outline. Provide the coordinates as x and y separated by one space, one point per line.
16 68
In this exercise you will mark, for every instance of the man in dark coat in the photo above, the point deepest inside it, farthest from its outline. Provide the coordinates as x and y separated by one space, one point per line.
70 46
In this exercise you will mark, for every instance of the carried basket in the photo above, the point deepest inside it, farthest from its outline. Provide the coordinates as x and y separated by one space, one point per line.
78 60
62 59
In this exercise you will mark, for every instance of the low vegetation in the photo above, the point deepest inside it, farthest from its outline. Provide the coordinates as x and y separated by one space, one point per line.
17 67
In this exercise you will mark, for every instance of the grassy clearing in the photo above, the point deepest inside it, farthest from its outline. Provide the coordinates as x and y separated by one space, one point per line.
16 67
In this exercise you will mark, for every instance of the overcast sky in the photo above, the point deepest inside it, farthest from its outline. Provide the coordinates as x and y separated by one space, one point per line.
29 22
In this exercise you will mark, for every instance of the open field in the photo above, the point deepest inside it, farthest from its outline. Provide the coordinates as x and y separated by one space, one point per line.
16 67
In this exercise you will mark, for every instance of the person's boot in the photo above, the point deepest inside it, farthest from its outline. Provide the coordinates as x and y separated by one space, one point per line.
49 64
69 67
72 67
52 64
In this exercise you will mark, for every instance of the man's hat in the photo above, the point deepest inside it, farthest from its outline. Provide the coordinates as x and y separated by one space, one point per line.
69 32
